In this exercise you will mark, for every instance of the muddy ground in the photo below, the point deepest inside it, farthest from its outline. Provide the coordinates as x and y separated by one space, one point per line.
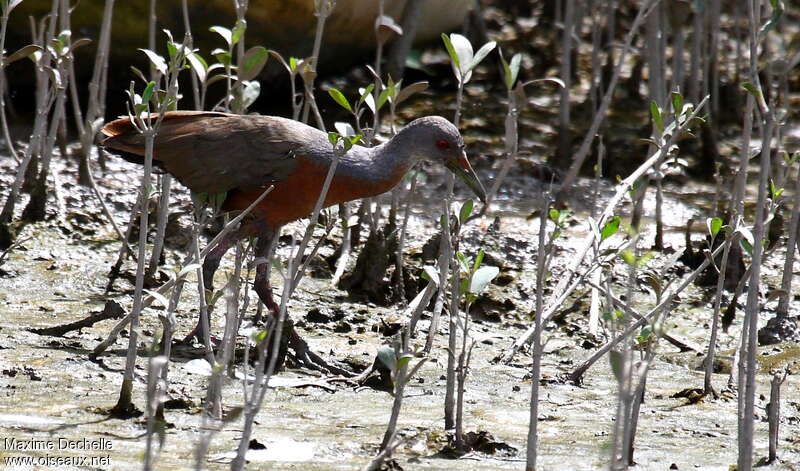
50 390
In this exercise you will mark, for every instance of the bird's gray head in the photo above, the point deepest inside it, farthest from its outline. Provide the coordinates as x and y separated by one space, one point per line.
436 139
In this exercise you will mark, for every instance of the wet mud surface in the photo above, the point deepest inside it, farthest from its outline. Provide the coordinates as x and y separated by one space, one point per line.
50 390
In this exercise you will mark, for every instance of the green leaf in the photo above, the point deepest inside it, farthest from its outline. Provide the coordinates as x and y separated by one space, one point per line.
382 97
168 34
217 78
199 65
774 191
554 214
157 61
403 361
238 31
410 90
658 119
250 92
21 53
220 53
714 225
563 217
747 239
777 12
644 259
553 80
260 336
225 33
172 50
158 297
148 92
746 246
429 273
365 93
466 211
506 72
392 88
610 228
345 129
481 54
482 277
387 356
353 140
645 335
478 260
629 257
677 103
190 268
751 89
511 71
463 287
461 55
451 51
462 262
614 316
615 358
386 28
333 138
253 62
339 98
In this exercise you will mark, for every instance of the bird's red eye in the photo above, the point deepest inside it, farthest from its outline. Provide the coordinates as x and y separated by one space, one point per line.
442 144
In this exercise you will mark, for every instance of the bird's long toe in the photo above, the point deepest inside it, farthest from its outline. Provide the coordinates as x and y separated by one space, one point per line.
306 358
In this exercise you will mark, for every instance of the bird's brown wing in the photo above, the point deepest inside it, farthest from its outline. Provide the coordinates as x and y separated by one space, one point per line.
213 152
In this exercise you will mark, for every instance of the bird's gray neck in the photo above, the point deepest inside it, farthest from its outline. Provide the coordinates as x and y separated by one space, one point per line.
380 163
371 164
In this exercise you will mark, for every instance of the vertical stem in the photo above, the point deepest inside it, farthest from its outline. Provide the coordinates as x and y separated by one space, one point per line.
711 81
446 254
96 100
511 145
400 380
124 403
322 9
376 91
3 121
152 20
774 414
564 134
708 387
536 346
595 84
747 363
788 263
165 182
187 31
696 58
399 260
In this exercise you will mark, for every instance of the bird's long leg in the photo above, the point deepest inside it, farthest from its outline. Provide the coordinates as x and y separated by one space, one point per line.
210 265
303 353
263 255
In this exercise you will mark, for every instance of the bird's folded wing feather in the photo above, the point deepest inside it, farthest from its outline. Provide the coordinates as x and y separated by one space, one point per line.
216 152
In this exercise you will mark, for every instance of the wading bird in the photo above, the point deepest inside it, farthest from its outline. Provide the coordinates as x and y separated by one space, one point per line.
211 152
